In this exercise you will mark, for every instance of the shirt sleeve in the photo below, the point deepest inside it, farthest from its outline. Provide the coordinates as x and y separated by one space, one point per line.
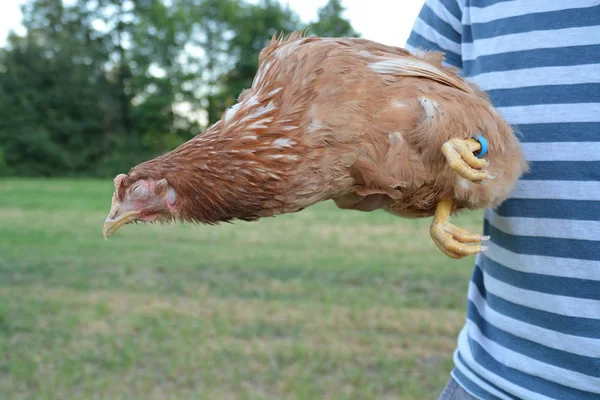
438 27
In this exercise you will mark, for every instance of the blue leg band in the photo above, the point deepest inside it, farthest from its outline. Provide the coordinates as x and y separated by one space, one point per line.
484 145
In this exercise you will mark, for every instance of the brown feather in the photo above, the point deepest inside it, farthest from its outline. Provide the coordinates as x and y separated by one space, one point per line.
344 119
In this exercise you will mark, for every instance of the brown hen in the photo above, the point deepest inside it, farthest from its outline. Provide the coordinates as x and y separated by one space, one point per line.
363 124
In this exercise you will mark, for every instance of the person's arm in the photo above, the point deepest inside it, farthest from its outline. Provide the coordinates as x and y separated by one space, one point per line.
438 27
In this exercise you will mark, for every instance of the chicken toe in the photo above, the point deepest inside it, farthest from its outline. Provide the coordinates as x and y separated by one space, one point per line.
450 239
460 157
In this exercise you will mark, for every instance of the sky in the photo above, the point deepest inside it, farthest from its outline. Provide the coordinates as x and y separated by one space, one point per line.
385 21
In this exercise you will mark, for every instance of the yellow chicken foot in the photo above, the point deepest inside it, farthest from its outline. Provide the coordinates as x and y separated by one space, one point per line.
459 153
450 239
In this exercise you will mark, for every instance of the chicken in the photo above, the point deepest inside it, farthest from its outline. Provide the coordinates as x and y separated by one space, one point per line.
345 119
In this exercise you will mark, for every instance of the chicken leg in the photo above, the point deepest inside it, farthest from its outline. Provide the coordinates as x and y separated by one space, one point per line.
460 157
450 239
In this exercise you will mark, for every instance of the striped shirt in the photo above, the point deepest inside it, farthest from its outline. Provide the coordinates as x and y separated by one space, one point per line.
533 310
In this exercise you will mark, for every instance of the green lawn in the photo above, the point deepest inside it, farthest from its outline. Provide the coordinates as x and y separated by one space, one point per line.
322 304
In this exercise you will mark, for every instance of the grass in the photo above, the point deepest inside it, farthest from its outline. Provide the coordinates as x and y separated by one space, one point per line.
322 304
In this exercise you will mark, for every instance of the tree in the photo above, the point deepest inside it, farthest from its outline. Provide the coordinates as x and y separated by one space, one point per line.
252 29
87 91
96 86
54 96
331 23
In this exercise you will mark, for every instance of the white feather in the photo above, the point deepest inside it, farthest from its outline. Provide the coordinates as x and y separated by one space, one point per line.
283 142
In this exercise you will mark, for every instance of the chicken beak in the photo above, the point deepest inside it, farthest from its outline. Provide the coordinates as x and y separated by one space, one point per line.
116 218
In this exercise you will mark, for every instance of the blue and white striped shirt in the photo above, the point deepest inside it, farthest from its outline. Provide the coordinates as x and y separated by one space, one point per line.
533 311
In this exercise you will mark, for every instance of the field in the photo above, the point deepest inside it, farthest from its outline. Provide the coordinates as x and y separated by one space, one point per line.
322 304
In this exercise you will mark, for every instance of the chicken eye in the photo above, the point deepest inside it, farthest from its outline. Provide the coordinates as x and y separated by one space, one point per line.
137 192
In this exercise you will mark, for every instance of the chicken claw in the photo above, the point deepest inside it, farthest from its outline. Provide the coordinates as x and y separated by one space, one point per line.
461 159
450 239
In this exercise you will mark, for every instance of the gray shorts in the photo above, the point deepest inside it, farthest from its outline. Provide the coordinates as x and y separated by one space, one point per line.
453 391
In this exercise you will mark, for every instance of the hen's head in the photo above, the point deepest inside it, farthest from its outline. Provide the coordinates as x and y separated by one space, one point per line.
135 200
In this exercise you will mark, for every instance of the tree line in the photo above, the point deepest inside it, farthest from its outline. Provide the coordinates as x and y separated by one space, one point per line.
94 87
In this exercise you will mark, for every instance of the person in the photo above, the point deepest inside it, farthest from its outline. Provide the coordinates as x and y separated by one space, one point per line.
532 326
